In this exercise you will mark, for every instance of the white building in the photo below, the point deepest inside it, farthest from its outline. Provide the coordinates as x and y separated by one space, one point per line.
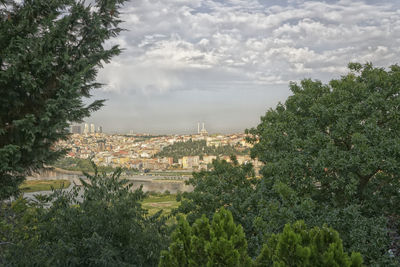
86 129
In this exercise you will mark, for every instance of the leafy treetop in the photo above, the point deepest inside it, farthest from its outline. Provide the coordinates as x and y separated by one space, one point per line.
337 142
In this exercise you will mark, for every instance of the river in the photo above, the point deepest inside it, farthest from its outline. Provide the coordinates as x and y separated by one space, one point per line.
152 183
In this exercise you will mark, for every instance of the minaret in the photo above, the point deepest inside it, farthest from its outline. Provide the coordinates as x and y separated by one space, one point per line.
198 127
203 131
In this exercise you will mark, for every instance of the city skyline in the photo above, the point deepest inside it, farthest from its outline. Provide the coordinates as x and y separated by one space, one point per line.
80 128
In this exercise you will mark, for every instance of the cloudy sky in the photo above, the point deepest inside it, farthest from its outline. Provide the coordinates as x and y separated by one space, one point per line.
227 62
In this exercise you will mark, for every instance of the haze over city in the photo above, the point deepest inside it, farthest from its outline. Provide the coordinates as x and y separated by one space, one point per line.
227 62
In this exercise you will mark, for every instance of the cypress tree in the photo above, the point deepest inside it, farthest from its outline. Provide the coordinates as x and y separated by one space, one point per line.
50 54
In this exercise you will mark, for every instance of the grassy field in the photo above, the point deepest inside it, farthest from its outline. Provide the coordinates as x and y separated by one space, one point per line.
43 185
155 203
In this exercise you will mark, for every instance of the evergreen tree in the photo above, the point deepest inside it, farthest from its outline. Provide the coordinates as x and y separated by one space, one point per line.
228 185
50 54
221 243
298 246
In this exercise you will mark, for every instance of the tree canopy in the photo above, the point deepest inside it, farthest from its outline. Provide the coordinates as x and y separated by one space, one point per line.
337 142
198 148
331 156
50 54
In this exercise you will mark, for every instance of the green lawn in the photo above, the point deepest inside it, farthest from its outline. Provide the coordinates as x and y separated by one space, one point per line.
154 203
43 185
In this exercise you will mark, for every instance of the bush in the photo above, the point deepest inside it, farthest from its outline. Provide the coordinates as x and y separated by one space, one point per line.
105 226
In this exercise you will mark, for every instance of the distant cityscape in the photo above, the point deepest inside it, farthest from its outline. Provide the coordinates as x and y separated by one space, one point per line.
142 151
87 128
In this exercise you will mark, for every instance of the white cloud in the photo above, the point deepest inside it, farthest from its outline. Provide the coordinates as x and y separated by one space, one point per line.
243 42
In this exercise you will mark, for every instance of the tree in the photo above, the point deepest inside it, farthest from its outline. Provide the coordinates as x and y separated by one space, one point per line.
335 149
50 54
298 246
198 148
278 204
103 224
221 243
228 185
319 149
337 142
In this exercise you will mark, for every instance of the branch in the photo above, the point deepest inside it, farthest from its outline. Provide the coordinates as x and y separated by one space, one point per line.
364 179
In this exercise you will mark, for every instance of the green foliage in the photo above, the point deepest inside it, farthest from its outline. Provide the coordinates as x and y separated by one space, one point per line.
337 143
226 185
221 243
297 246
76 164
359 232
278 204
50 54
198 148
103 224
331 156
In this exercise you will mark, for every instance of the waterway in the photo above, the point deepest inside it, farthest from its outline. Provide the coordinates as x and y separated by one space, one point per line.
159 183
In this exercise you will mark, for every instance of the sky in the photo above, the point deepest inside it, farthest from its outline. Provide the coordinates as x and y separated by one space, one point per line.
226 62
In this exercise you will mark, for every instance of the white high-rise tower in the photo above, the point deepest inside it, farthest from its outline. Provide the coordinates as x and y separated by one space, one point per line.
86 129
